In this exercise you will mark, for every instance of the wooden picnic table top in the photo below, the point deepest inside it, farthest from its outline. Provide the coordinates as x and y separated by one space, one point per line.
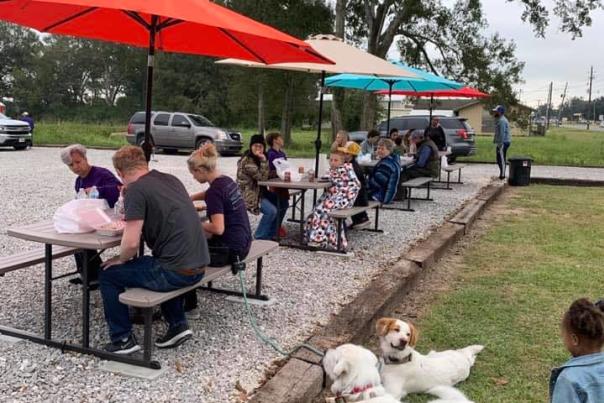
44 232
302 185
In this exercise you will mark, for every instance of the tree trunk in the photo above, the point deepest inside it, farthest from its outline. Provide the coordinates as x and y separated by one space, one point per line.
368 118
286 118
338 94
261 118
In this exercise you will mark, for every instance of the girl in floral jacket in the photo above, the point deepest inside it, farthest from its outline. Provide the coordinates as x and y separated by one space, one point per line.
320 229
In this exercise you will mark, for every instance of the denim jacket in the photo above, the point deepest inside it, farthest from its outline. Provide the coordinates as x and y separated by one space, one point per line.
502 131
579 380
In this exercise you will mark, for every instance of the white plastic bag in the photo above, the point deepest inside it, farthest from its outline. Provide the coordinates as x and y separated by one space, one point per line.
81 216
444 162
282 166
364 158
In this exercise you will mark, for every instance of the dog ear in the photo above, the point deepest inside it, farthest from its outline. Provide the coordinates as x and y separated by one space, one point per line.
341 368
414 334
382 326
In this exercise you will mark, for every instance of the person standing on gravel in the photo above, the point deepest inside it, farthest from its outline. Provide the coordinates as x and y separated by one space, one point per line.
157 206
502 138
108 186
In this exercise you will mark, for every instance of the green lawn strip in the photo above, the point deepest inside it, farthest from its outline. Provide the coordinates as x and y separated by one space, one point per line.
516 282
559 147
88 134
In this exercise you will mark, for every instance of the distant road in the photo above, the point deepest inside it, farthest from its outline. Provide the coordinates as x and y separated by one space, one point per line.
582 127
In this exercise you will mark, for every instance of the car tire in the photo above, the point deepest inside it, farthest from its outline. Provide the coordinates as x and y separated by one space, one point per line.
202 141
20 148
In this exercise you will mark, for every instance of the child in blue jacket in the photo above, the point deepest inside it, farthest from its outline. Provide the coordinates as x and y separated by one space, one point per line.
581 379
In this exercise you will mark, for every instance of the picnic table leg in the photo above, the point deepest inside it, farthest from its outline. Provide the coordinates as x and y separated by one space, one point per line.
459 175
302 197
48 291
339 234
409 199
448 179
85 304
259 276
148 332
377 217
428 198
277 224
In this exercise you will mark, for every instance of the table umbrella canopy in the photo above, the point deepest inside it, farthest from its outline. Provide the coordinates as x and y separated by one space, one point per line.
184 26
346 59
465 92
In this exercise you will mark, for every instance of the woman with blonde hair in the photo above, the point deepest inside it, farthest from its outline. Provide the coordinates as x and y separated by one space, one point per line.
341 139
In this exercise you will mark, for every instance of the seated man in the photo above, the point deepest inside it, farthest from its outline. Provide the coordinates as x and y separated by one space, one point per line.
383 181
108 187
368 145
157 206
426 160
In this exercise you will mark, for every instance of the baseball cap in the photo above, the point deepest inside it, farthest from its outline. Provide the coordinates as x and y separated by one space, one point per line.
499 108
351 148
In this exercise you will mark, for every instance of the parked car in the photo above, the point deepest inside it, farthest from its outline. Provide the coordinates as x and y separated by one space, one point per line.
14 133
173 131
459 133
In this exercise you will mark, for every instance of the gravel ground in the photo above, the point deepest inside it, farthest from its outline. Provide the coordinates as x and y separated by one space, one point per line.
224 352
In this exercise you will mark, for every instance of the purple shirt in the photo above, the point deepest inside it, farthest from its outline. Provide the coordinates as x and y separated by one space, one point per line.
224 197
106 183
273 155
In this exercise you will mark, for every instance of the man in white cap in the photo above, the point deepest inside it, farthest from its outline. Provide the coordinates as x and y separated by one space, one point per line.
502 138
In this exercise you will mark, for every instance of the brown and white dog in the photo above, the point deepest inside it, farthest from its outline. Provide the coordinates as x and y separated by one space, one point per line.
407 371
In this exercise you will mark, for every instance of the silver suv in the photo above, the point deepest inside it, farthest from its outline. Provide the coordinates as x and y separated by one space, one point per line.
14 133
172 131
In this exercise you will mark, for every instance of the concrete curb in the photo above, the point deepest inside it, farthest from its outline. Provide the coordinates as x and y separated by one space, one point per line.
300 380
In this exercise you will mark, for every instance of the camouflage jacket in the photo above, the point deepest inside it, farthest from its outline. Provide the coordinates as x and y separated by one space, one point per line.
248 175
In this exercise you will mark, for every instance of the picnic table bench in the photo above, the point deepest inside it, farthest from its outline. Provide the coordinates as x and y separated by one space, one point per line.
342 214
146 300
452 168
415 183
28 258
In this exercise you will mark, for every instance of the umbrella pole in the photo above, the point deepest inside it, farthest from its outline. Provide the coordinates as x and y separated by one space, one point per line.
318 139
390 84
431 101
147 147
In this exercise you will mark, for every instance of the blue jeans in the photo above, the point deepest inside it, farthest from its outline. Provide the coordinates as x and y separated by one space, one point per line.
143 272
268 225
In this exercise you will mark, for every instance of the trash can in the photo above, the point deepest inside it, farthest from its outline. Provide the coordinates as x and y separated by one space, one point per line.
520 170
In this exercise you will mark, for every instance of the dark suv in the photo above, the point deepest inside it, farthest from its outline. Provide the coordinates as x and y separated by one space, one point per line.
172 131
459 134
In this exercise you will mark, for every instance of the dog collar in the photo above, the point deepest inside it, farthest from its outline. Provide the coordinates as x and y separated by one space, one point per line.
396 360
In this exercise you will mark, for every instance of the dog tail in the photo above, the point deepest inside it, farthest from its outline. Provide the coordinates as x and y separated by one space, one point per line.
472 351
448 394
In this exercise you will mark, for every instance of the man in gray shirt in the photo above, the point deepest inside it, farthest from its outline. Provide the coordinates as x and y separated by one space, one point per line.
501 138
158 207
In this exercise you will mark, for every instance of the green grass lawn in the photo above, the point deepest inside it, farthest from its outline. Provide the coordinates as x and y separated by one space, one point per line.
560 146
516 282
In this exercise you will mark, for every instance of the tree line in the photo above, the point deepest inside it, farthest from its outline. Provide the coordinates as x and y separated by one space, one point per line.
57 77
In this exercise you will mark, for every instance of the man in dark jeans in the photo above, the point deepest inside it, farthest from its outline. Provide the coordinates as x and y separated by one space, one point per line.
157 206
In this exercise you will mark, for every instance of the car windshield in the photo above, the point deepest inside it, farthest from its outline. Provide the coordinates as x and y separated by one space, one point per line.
199 120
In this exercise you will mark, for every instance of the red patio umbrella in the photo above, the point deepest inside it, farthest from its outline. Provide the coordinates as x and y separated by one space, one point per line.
185 26
465 92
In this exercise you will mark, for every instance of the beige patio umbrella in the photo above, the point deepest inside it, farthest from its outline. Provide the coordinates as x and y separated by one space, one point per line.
346 58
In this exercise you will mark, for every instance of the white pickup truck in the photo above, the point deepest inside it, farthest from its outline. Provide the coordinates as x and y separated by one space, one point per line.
14 133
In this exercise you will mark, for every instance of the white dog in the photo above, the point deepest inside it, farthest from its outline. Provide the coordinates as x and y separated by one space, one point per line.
407 371
354 372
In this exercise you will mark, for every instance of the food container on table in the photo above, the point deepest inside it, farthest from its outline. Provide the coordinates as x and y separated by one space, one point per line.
114 228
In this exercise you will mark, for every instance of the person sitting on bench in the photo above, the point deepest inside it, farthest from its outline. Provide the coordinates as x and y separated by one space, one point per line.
426 160
320 229
351 150
383 181
108 187
157 206
228 228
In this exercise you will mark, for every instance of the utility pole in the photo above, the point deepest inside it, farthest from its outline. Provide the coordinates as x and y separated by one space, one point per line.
549 105
562 104
591 79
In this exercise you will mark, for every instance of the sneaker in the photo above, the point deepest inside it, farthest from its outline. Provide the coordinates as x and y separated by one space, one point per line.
361 225
282 232
124 346
92 284
174 337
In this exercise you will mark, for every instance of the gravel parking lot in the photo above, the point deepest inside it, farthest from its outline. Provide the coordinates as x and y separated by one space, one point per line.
306 287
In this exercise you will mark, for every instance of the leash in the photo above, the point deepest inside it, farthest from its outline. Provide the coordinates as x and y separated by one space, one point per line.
269 341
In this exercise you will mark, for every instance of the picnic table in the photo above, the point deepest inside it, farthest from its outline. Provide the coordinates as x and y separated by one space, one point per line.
44 232
303 186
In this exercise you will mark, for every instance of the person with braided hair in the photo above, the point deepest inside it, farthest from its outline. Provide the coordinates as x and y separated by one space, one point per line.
581 379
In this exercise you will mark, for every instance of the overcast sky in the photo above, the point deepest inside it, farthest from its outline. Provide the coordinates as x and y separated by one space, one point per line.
556 58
